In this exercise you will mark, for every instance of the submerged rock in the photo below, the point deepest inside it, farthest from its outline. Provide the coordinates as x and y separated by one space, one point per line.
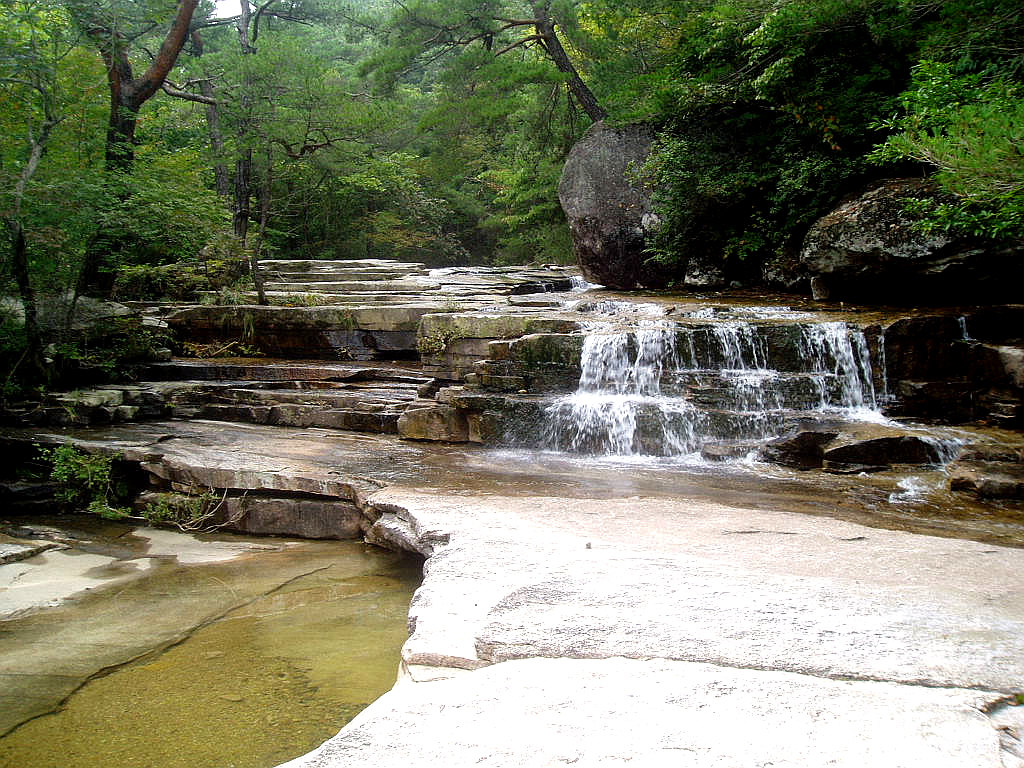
800 450
851 448
989 472
609 214
871 248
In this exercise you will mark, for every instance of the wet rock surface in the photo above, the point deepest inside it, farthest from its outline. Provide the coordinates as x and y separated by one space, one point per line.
621 597
987 471
659 713
586 566
765 616
870 249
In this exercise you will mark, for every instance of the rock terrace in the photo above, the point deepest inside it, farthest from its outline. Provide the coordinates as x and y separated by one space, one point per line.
600 613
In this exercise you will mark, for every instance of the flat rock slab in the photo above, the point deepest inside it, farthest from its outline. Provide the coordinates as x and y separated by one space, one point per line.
518 577
605 632
652 608
13 549
552 712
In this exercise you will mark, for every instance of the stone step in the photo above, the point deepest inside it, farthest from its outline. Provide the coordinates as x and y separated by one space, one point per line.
306 517
394 287
369 395
319 265
295 371
338 333
301 415
333 275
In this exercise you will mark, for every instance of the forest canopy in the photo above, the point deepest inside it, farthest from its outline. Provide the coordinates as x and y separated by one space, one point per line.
147 145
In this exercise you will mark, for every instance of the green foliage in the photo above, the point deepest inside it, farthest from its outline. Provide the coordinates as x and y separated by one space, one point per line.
530 224
12 351
770 110
435 130
163 210
86 481
109 350
970 128
436 343
181 281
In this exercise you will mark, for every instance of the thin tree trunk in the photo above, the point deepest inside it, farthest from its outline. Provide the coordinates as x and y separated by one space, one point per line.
220 169
19 248
545 26
222 180
266 190
243 193
33 336
243 165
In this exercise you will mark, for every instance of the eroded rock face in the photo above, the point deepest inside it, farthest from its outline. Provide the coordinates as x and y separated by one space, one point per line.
989 472
609 215
870 249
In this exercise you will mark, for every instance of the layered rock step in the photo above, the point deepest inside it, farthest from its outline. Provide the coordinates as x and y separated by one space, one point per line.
605 376
359 310
363 398
253 479
383 281
359 406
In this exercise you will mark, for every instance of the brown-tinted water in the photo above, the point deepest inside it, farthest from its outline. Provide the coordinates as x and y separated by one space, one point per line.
240 663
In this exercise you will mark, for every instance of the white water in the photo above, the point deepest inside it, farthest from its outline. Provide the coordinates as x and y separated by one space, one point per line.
618 408
667 389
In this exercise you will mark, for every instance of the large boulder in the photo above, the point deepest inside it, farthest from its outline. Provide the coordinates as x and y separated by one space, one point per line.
870 248
610 215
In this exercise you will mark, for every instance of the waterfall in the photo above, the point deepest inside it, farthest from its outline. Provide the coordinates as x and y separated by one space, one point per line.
839 355
666 389
618 408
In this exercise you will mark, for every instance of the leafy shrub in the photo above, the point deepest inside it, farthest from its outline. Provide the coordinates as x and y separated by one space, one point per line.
969 127
86 481
182 281
110 350
191 511
765 121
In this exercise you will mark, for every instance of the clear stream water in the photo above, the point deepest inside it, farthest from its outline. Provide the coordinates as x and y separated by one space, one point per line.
264 656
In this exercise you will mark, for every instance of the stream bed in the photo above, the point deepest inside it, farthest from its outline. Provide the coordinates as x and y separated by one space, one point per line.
166 649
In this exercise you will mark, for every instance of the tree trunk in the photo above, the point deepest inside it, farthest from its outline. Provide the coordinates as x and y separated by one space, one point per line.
220 169
243 192
127 95
243 165
265 195
545 27
120 154
33 336
222 181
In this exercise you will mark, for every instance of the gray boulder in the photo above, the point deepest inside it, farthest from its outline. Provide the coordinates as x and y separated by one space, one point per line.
870 248
610 216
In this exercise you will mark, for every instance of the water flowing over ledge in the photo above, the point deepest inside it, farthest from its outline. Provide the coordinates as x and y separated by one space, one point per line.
662 389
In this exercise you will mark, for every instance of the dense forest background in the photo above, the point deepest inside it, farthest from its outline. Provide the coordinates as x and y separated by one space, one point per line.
152 148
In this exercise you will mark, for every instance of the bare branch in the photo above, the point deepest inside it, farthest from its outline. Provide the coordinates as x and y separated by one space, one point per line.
256 19
518 43
171 90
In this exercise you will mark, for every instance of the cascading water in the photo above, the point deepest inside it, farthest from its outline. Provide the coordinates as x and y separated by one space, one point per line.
665 388
618 407
838 354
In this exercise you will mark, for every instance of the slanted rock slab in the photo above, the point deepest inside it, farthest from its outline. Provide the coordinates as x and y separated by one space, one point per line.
617 712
